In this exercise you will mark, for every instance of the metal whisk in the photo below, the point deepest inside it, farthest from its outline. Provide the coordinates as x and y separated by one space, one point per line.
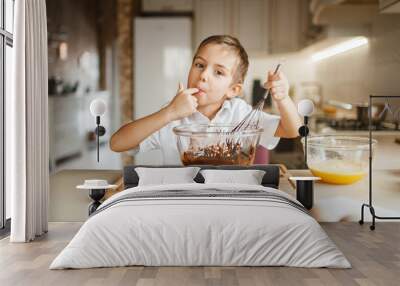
252 119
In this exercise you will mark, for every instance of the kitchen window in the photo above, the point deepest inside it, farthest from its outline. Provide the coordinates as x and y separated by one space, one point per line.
6 65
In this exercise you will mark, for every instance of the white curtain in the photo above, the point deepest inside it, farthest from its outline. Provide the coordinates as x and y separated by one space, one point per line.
27 148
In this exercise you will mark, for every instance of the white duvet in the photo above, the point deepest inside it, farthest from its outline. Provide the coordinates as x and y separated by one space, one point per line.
200 231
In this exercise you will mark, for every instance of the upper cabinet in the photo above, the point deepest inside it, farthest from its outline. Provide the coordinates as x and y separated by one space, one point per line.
288 24
250 24
211 17
262 26
151 6
245 19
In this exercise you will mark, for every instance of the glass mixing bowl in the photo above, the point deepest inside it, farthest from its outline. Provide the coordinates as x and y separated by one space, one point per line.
338 159
202 144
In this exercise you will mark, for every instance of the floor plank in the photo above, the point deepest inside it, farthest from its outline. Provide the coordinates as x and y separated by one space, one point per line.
374 255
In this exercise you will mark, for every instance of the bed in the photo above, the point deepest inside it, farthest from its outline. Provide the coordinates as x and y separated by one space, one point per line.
197 224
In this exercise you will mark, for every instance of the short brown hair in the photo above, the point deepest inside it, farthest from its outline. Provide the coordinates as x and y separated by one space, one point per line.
233 43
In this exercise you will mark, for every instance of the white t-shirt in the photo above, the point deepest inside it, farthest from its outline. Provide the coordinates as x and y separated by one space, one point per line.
231 112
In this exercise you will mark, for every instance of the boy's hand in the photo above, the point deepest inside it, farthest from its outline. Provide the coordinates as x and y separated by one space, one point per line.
278 84
183 104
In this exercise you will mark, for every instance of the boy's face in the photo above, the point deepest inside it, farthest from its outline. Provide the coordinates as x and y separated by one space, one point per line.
212 72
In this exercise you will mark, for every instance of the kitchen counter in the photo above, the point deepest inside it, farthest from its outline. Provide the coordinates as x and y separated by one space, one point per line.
331 202
377 133
343 202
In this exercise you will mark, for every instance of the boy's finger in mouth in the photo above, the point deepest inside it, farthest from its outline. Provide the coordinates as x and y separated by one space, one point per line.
192 90
200 92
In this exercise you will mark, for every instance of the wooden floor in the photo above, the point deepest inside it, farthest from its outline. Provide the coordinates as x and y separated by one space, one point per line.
374 255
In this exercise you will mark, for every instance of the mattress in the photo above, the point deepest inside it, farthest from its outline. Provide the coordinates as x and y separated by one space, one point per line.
201 225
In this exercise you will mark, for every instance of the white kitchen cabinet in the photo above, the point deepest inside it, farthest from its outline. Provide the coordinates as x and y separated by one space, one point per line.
250 24
149 6
245 19
288 24
211 17
262 26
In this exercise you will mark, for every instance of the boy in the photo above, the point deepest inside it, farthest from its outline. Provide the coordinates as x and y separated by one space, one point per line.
215 79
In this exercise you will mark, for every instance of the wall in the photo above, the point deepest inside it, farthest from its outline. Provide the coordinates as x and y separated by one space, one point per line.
371 69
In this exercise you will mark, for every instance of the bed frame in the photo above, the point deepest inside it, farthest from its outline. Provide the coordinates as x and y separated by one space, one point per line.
270 179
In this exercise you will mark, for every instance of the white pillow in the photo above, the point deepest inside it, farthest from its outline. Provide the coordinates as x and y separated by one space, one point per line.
249 177
162 176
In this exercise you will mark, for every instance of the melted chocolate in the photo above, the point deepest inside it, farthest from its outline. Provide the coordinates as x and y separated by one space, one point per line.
219 154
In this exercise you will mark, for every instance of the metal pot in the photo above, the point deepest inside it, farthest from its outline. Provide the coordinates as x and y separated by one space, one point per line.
377 113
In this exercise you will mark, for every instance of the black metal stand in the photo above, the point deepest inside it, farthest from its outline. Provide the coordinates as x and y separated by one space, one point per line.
96 195
98 136
369 205
303 132
100 131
